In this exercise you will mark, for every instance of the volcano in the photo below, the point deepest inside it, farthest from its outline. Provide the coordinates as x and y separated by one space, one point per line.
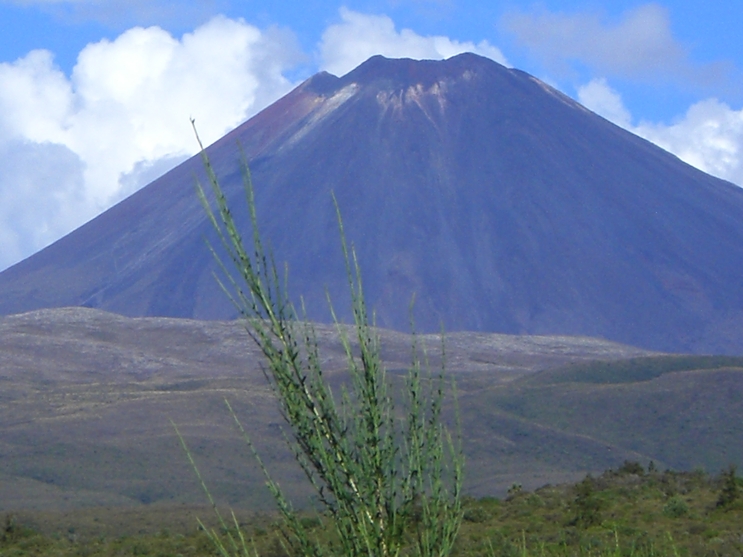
497 201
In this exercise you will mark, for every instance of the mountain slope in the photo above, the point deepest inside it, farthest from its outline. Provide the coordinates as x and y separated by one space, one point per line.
502 204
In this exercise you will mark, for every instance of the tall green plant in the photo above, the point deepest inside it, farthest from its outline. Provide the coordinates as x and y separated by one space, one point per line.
386 483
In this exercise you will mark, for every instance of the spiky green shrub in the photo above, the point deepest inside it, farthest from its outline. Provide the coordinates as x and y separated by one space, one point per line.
385 483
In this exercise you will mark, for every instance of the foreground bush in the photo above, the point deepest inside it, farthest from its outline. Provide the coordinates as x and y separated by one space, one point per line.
384 482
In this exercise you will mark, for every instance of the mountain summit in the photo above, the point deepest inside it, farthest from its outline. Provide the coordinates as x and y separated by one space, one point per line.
502 204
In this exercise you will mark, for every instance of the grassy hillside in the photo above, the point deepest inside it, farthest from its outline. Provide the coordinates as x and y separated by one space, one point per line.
631 370
87 399
681 411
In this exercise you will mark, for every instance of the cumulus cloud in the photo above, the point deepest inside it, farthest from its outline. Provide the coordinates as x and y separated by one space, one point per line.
708 136
358 36
640 45
599 97
122 116
41 190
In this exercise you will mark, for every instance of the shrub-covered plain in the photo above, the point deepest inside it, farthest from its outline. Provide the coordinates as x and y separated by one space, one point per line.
630 511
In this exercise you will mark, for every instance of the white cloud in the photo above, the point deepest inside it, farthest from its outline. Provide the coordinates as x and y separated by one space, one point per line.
359 36
605 101
708 136
41 193
122 115
35 98
640 45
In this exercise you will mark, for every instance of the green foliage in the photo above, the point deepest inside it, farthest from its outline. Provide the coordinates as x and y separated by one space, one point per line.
676 507
384 481
730 491
631 467
26 541
587 504
620 514
634 522
10 528
476 514
633 370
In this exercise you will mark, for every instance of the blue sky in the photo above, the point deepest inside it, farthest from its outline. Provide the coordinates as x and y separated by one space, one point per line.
96 95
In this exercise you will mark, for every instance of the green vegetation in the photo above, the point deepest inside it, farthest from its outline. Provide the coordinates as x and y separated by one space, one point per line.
385 478
680 411
631 511
632 370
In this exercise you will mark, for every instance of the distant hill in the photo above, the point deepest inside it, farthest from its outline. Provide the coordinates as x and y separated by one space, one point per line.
87 398
501 203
